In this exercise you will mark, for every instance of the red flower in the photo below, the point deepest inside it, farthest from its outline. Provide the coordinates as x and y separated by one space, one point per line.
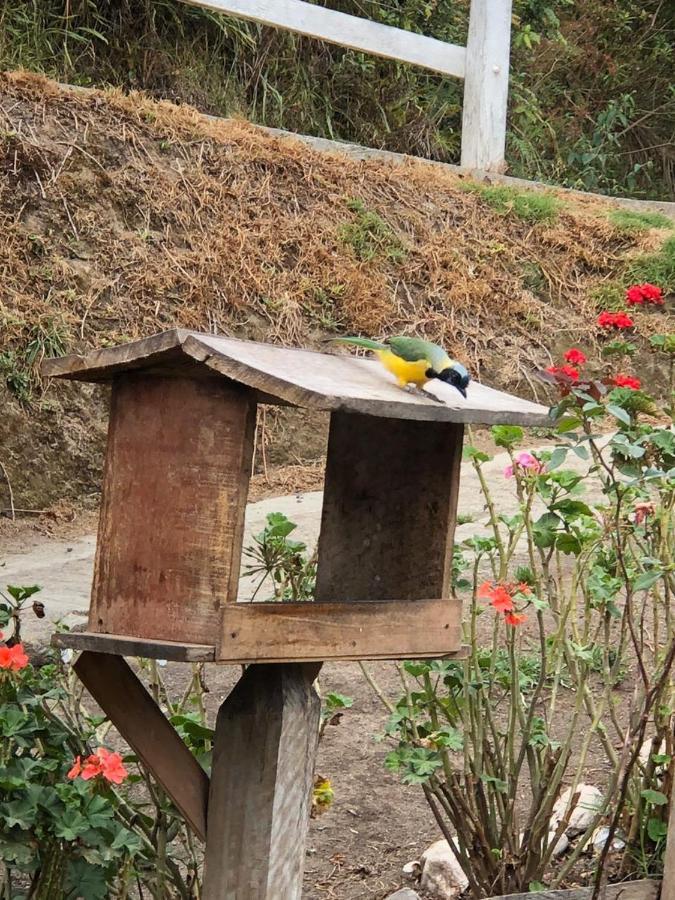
627 381
112 768
104 763
514 618
634 296
575 356
564 370
652 293
13 658
619 320
497 594
76 769
638 294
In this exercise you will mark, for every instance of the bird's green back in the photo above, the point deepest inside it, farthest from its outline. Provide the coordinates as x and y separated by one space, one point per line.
412 349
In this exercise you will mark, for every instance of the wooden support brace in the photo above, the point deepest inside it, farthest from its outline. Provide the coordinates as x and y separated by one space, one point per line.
261 781
143 725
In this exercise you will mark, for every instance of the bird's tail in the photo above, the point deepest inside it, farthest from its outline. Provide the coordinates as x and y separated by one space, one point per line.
358 342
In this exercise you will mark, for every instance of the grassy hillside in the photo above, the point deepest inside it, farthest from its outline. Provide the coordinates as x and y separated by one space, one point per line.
592 101
121 216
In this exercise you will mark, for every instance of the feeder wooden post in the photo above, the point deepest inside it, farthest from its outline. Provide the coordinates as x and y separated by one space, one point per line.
261 784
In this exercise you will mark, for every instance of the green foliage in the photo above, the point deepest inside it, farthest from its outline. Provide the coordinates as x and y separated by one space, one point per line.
656 268
592 608
19 368
370 236
528 205
283 561
53 831
633 221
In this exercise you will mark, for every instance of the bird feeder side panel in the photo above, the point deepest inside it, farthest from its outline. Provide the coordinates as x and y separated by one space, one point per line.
175 487
389 510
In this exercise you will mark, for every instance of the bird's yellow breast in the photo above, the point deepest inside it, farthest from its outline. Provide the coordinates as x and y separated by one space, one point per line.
406 372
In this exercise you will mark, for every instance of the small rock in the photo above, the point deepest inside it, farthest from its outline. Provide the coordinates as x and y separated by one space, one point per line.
442 875
404 894
599 839
587 804
561 846
412 869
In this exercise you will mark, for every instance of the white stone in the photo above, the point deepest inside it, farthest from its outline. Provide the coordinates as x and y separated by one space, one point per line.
599 839
404 894
412 869
442 875
561 846
587 805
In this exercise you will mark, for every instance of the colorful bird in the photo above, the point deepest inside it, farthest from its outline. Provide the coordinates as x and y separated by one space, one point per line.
414 361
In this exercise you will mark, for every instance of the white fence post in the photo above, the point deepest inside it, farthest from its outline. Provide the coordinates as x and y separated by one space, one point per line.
486 85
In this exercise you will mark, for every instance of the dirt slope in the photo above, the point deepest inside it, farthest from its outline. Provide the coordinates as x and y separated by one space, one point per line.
121 216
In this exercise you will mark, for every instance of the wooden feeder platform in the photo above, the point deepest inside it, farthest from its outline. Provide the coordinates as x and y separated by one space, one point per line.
174 495
175 486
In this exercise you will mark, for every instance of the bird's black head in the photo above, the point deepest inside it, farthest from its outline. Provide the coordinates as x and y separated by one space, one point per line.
457 376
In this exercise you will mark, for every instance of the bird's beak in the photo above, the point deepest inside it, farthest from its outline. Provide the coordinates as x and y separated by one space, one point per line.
462 392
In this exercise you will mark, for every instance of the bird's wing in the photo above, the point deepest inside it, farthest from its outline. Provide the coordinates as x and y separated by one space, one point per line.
410 349
359 342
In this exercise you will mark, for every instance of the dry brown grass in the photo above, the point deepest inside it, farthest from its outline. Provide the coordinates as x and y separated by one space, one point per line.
121 216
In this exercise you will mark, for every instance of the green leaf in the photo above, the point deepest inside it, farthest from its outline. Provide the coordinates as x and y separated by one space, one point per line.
507 436
21 594
646 580
581 451
474 453
656 798
86 882
535 887
544 529
558 457
619 413
571 509
656 829
568 543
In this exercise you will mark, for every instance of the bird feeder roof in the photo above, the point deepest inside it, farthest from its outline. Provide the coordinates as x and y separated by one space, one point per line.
293 377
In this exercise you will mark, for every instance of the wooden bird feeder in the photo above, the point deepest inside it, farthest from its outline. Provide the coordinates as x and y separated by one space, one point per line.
175 487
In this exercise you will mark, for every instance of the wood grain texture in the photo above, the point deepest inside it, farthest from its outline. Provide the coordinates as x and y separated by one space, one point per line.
143 725
305 378
172 514
275 632
261 782
486 86
129 646
389 507
347 31
645 889
668 891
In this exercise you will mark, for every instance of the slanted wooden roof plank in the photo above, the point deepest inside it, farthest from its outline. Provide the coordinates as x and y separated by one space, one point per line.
297 377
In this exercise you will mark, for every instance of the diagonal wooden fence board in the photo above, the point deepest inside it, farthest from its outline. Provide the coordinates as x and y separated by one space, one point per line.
143 725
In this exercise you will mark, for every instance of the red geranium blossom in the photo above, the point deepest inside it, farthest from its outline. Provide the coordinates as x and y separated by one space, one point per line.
652 293
514 618
638 294
627 381
619 320
13 658
104 763
497 594
575 356
570 371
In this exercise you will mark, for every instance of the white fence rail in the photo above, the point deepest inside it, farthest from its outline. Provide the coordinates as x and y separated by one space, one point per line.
483 63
